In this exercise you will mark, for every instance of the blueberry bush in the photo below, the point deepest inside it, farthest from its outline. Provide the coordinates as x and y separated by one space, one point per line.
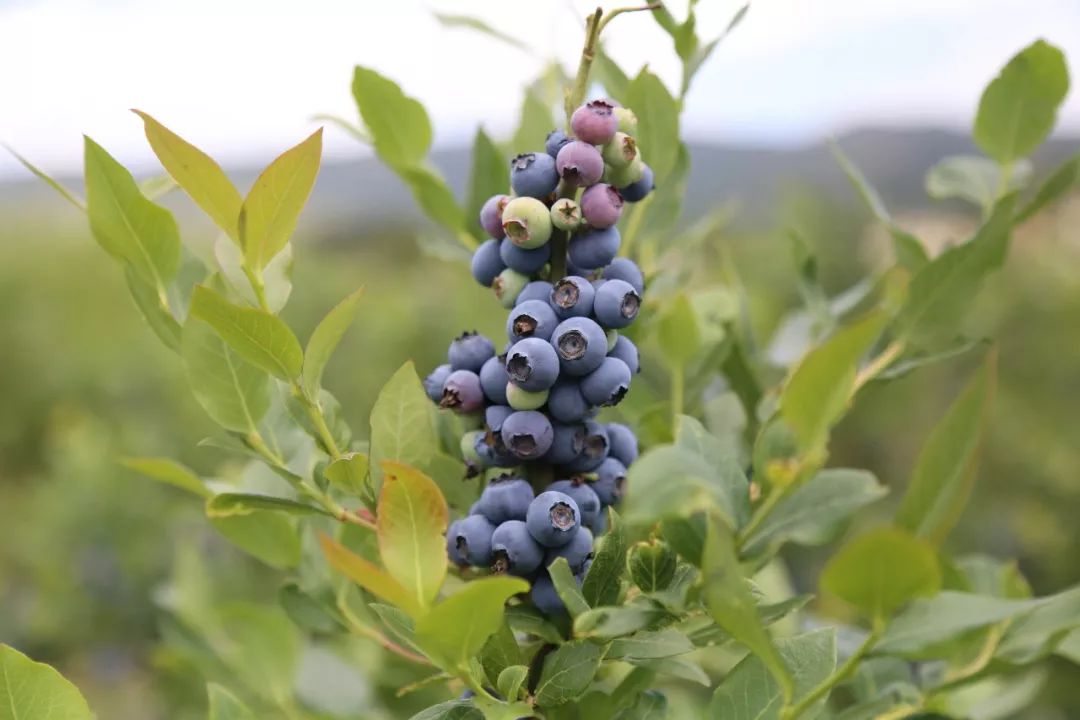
551 526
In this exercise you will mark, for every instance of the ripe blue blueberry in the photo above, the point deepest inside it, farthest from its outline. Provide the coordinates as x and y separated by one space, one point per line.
493 379
601 205
566 403
596 450
580 345
532 318
553 518
505 498
621 151
527 222
626 269
594 248
508 286
545 598
577 551
469 351
433 383
536 290
567 443
616 303
623 443
492 452
627 351
526 262
533 364
610 481
555 141
491 216
495 415
595 122
599 525
565 214
462 393
523 399
533 175
468 541
572 297
486 263
608 384
637 190
528 434
584 496
514 550
580 164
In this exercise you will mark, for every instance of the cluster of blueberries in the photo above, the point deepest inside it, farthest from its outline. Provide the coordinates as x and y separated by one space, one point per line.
565 358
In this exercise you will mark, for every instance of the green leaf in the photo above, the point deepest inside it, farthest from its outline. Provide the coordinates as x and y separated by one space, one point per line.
1038 633
816 506
157 316
567 588
233 504
480 26
975 179
615 621
677 332
169 471
435 197
197 173
403 422
819 389
671 481
456 629
1060 182
130 227
398 124
225 706
399 623
510 681
272 207
535 122
603 581
687 536
308 612
882 570
235 393
411 526
529 620
488 177
698 58
267 535
324 340
727 470
944 474
264 648
34 691
651 645
349 473
608 73
257 336
47 179
567 673
453 710
652 565
500 652
1019 107
749 692
729 602
658 122
929 622
369 576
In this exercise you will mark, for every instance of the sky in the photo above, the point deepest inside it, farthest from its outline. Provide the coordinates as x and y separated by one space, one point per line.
242 78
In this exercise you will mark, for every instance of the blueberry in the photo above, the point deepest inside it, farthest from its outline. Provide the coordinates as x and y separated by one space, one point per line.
468 541
610 479
596 450
626 269
601 205
524 399
536 290
433 383
526 262
621 151
583 495
567 443
576 552
594 248
533 364
495 415
533 175
553 518
595 122
486 263
622 177
637 190
585 567
532 318
608 384
508 286
492 452
627 351
461 392
491 216
616 303
470 454
580 345
469 351
493 379
572 297
545 598
505 498
514 550
527 222
528 434
580 164
572 269
599 524
565 214
623 443
555 141
566 403
627 120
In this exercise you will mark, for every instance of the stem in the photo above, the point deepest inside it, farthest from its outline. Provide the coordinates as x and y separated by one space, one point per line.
619 11
257 286
877 365
841 674
588 53
361 628
678 392
767 506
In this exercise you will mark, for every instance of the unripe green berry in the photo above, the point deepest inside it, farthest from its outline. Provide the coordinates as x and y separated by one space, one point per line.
627 120
651 565
523 399
621 177
566 214
620 152
468 446
508 285
612 338
527 222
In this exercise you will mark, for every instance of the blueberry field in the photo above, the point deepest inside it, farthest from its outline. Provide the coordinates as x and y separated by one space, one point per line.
586 420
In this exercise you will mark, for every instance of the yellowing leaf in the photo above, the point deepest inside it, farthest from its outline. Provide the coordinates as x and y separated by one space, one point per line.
369 576
411 522
325 339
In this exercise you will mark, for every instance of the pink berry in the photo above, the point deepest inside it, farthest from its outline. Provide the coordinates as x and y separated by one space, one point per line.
595 122
601 205
580 164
